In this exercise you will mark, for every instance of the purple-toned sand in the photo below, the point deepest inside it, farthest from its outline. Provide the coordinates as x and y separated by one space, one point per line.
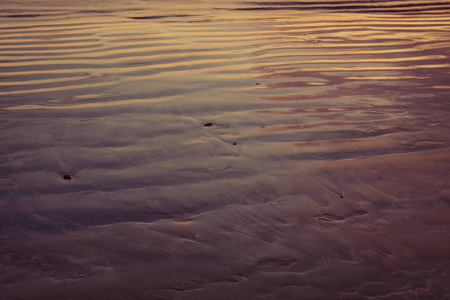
224 150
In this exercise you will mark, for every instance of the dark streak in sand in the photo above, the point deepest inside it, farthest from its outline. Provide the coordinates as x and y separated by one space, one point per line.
159 17
397 8
22 16
335 218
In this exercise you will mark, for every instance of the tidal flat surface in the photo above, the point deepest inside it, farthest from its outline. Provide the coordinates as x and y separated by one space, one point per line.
322 172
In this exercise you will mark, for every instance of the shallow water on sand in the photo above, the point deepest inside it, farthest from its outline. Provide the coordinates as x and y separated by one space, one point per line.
323 174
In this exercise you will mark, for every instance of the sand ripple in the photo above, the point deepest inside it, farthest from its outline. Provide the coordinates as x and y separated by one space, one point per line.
323 173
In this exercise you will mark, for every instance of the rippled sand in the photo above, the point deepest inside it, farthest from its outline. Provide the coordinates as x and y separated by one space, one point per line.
324 173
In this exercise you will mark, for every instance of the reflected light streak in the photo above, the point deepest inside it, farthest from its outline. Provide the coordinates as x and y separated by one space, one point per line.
86 105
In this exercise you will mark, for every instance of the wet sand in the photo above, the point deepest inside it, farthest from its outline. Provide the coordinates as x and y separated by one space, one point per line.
323 174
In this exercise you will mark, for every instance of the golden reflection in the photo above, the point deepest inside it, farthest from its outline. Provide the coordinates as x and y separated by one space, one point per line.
61 88
86 44
365 60
87 105
42 81
97 57
398 77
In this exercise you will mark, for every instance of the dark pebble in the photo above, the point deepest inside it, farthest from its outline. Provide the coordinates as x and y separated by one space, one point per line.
257 83
208 124
67 177
342 196
234 144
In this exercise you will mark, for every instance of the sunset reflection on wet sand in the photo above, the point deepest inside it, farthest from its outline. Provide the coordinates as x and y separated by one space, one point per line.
224 150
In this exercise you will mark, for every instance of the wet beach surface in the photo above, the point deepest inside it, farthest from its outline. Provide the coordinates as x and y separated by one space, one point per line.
225 150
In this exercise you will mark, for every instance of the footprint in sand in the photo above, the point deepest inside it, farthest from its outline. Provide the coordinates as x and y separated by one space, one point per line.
337 218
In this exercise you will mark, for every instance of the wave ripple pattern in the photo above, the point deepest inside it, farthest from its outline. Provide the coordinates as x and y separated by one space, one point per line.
225 150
